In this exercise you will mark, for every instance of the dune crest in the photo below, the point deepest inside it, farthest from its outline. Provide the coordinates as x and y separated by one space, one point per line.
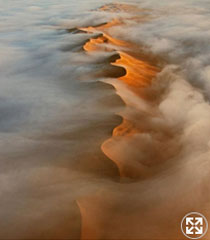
138 76
150 146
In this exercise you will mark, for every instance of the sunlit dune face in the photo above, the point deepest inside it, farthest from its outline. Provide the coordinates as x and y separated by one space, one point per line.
142 143
126 128
95 44
144 146
101 42
103 27
117 42
139 73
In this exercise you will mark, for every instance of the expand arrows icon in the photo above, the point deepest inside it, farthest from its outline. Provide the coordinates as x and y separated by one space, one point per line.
194 225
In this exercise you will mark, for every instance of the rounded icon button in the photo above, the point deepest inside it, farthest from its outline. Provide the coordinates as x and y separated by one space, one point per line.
194 225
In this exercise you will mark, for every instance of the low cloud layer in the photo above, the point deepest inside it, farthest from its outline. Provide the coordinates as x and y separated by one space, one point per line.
60 174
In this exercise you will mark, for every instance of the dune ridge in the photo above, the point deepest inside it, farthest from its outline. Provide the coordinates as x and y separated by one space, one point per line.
130 86
151 145
148 147
138 75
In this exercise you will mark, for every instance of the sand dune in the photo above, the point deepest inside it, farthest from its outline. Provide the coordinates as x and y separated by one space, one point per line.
144 147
